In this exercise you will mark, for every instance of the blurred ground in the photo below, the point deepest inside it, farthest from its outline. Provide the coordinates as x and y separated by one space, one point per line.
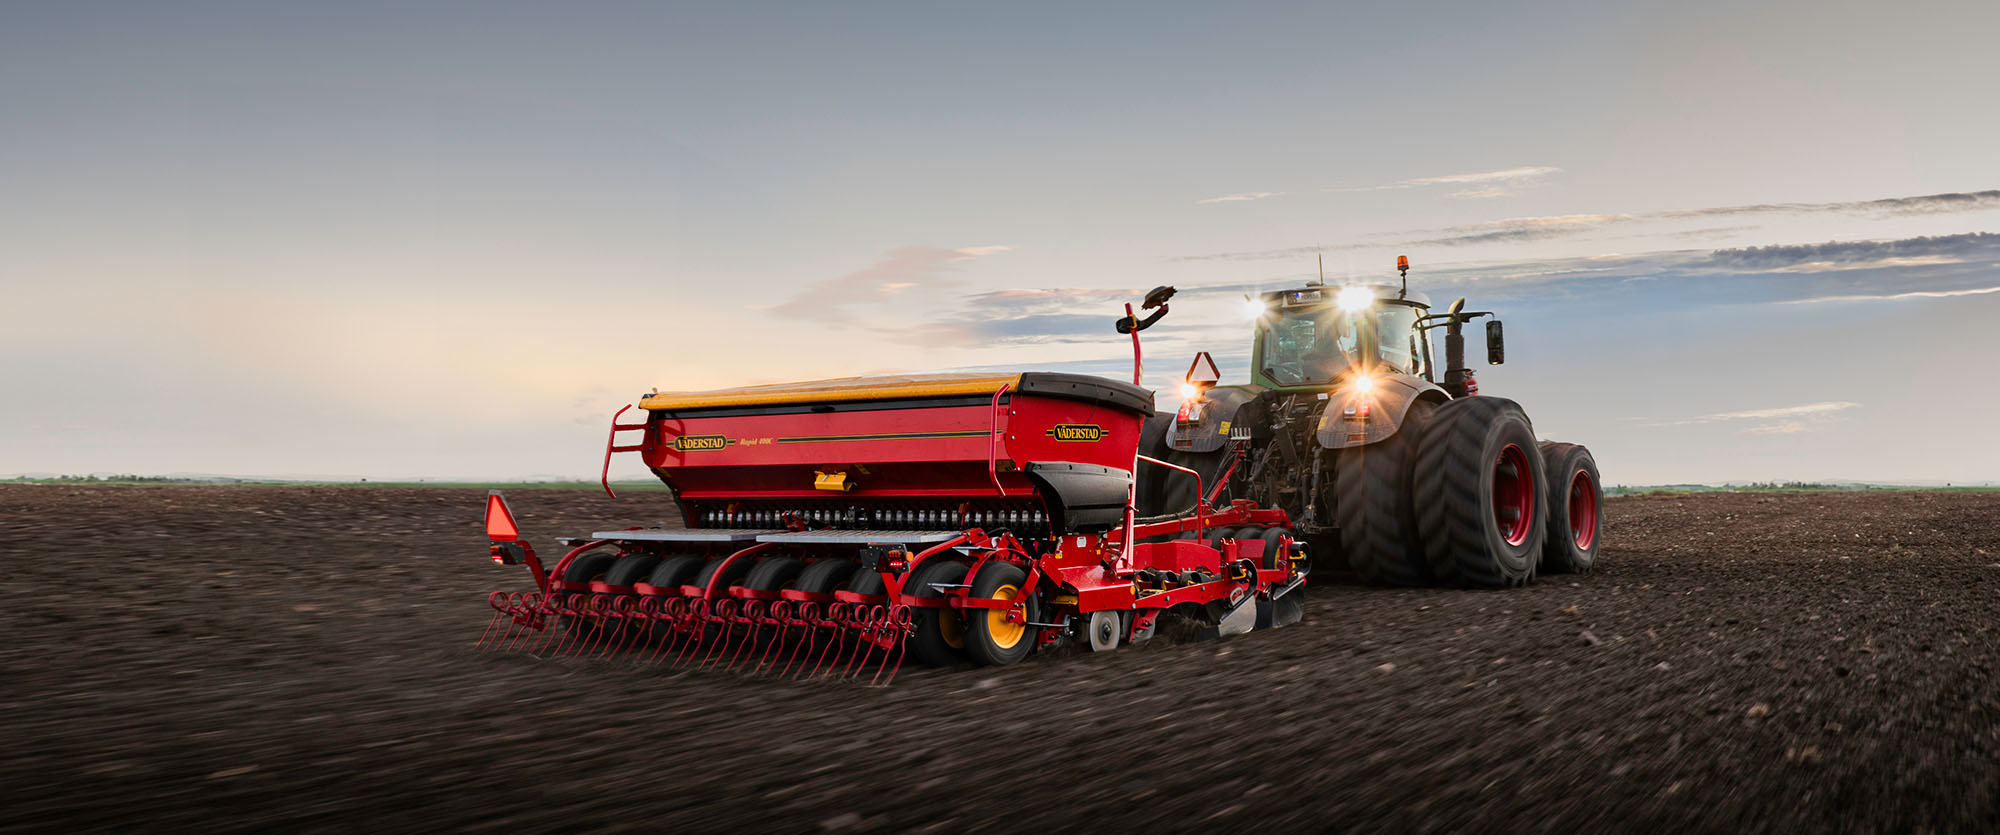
186 657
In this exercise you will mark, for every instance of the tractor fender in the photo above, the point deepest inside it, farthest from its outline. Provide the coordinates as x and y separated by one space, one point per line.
1344 423
1211 432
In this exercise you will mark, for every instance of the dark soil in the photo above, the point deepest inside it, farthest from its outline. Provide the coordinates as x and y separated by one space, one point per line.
299 658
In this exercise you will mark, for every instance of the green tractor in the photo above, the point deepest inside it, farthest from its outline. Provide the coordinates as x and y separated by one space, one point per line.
1379 453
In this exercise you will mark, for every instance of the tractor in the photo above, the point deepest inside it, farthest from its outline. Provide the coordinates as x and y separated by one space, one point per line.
1399 466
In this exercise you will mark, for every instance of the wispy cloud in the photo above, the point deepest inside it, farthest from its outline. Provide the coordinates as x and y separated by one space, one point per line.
1913 294
1240 198
1489 184
897 270
1505 175
1835 256
1782 420
1513 230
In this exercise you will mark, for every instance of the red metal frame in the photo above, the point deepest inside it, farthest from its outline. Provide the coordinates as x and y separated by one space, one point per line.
611 446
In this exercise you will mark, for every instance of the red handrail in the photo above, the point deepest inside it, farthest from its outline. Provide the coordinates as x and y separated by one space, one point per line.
1200 497
611 446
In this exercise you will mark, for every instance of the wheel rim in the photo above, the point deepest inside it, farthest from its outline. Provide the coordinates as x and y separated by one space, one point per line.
1582 510
1513 495
1004 634
949 630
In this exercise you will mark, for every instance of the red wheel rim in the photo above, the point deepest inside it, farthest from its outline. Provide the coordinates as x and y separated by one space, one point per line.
1513 495
1582 510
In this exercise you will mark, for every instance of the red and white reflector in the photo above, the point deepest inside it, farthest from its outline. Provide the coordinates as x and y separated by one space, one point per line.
500 525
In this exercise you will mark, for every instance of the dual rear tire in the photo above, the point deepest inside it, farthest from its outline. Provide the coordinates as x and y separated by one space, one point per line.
1478 485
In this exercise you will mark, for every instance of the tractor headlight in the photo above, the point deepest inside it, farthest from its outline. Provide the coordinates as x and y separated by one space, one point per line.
1255 308
1190 391
1354 299
1364 385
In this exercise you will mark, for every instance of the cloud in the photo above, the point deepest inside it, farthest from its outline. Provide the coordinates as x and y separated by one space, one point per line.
895 271
1923 204
1505 175
1782 420
1514 230
1479 193
1913 294
1240 198
1849 255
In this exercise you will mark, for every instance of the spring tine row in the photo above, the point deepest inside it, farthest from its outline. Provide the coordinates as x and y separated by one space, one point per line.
794 639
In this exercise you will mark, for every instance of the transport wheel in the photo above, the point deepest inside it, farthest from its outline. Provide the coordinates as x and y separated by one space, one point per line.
989 638
1104 629
1575 503
586 568
1479 481
1374 505
1272 558
940 637
630 569
672 572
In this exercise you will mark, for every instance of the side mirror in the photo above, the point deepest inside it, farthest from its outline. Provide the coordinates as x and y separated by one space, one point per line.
1496 344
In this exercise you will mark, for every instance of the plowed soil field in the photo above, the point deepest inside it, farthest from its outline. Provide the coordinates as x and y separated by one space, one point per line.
299 658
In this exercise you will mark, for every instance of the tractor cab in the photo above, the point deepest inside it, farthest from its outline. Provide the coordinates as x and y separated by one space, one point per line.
1315 336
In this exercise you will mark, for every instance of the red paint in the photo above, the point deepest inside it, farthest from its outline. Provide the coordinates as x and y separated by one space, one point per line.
1513 494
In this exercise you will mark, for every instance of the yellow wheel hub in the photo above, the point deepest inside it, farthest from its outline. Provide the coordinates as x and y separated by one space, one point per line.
950 630
1003 633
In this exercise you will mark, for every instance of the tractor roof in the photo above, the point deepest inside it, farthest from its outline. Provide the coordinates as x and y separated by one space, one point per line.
1327 293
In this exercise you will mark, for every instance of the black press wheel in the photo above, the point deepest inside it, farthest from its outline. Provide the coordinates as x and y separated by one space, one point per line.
629 569
1575 502
672 573
939 640
585 569
1479 480
1375 506
989 638
824 577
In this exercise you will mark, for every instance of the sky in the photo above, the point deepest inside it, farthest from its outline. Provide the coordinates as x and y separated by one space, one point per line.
1731 241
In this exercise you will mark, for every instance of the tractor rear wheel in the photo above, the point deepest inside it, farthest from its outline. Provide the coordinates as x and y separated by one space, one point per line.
1373 503
989 637
939 640
1478 494
1575 502
585 569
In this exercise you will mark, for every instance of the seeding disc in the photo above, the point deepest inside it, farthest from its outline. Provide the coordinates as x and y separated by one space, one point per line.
1104 629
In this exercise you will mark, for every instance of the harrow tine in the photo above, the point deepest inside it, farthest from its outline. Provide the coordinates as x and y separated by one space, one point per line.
777 611
617 617
727 611
902 622
807 612
751 629
501 617
834 614
535 616
674 614
698 620
866 623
